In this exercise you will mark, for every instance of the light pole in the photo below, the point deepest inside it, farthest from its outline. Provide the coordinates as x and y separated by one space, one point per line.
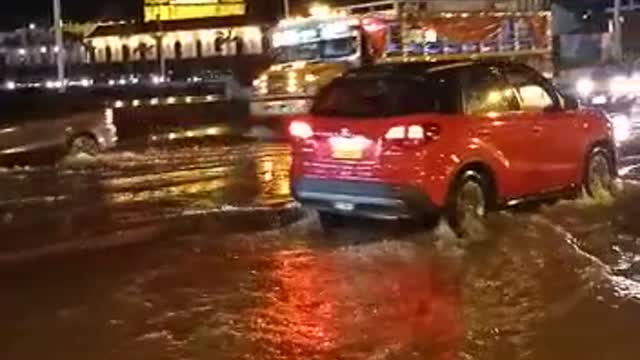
285 5
617 30
60 54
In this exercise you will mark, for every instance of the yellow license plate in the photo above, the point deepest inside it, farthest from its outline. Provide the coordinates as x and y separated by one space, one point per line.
347 153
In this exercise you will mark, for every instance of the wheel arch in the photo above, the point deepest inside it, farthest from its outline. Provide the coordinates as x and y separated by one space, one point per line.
606 145
482 169
83 133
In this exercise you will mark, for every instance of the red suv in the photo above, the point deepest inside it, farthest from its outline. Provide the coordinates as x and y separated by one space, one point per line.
406 140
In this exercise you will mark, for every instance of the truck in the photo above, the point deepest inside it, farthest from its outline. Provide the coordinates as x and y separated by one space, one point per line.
310 52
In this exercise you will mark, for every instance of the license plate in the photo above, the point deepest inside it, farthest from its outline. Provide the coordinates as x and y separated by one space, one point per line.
347 149
347 154
344 206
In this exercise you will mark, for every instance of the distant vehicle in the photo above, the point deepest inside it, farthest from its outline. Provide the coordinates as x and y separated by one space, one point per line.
488 47
452 48
88 132
310 52
433 48
460 139
470 47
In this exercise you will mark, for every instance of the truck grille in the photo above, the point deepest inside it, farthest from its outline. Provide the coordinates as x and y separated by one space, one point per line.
277 84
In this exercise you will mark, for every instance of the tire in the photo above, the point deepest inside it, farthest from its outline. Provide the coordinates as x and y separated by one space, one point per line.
330 222
84 144
599 176
468 204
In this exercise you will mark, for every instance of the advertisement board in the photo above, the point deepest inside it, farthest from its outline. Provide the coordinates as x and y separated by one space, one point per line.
168 10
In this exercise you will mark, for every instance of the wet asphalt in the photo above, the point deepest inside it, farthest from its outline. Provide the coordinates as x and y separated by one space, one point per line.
197 252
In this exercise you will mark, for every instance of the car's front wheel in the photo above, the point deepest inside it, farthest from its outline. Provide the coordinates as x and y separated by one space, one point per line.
599 174
468 203
84 144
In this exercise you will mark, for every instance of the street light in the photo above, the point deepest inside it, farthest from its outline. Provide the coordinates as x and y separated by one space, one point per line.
286 8
617 30
319 10
57 25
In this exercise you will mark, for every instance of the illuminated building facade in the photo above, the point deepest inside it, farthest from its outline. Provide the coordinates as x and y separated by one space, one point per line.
181 36
124 43
184 35
33 46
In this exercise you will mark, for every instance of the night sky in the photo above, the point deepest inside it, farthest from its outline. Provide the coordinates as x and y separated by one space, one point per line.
17 13
20 12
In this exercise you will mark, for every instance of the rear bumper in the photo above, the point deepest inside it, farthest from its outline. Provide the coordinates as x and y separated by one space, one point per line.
363 199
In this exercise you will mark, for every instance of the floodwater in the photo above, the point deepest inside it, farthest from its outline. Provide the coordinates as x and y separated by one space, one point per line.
217 281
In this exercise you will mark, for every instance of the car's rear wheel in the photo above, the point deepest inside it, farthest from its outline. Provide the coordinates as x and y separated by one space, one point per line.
330 222
468 204
599 174
84 144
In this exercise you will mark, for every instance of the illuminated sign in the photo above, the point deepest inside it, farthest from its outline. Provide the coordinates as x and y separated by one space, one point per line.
167 10
304 34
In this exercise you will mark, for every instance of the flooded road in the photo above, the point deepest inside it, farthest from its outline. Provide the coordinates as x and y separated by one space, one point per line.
86 198
220 282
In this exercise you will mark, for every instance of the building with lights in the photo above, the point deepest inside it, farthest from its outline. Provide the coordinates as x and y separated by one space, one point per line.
185 46
32 49
178 40
178 37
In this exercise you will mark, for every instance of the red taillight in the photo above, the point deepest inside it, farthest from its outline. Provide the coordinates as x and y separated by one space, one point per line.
300 129
396 133
413 133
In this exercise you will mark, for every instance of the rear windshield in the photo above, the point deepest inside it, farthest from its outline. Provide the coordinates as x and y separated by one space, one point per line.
383 96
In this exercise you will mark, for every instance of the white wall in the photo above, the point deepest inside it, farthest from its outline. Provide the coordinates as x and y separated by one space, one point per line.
250 35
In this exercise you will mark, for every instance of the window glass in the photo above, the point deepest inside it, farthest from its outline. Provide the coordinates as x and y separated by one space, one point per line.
325 49
533 95
383 96
485 92
340 47
298 52
444 89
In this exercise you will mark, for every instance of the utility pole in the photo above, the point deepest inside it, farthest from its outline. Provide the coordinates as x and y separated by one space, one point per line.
617 30
285 4
60 54
160 48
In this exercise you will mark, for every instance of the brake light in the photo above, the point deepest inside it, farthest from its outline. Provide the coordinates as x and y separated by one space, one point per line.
300 129
413 133
396 133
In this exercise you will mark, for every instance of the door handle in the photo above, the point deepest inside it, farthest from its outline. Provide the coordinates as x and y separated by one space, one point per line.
537 129
484 132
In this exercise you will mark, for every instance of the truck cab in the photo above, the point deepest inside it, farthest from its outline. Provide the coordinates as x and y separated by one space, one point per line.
308 54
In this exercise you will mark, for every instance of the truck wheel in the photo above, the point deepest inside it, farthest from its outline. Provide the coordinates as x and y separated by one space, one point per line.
84 144
468 203
599 178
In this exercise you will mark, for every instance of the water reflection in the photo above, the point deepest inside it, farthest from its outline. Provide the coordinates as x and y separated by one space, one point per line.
335 304
123 190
